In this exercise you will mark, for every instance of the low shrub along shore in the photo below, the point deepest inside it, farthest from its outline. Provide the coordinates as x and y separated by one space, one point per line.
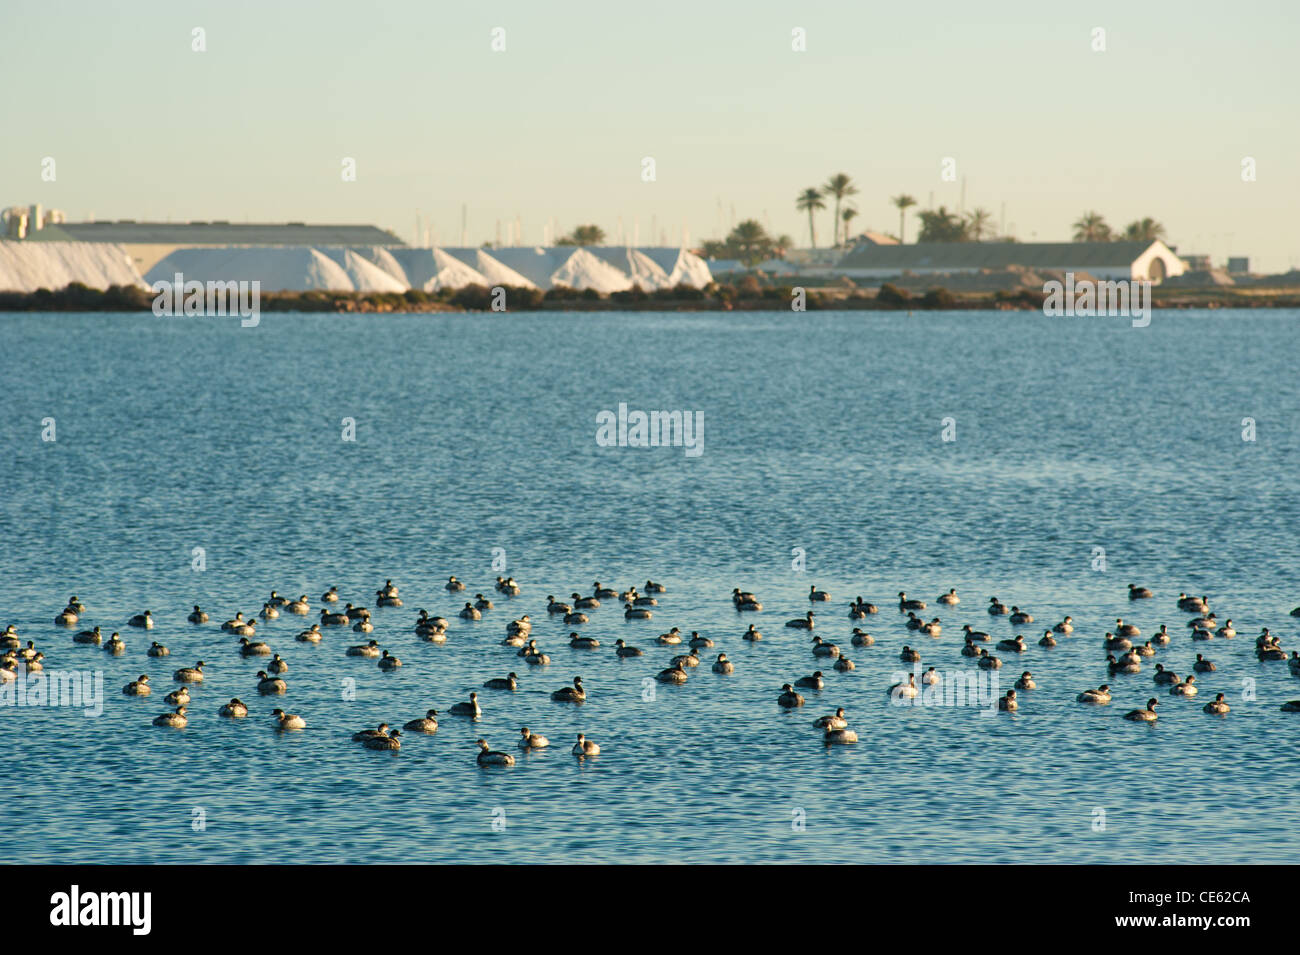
746 295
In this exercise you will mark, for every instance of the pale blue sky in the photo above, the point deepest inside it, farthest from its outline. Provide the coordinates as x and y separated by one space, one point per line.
556 126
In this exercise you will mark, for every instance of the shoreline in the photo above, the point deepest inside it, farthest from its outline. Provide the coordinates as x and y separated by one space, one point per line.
713 298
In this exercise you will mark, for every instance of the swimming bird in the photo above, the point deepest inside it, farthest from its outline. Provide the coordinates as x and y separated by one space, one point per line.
454 585
192 674
908 655
1147 715
138 687
67 618
370 649
789 698
330 596
235 622
250 649
270 685
388 662
311 635
988 661
674 674
623 650
1138 593
77 607
636 613
1019 616
1227 631
653 588
1186 687
723 665
931 629
752 635
1161 636
1065 626
533 656
907 690
579 642
1114 666
823 649
699 642
691 659
509 682
671 638
585 747
973 634
1113 642
931 677
142 620
268 612
813 681
1203 665
1217 706
362 735
488 757
467 708
861 638
997 608
530 740
179 697
1015 646
843 664
603 593
1047 640
117 646
288 721
363 625
554 606
390 742
905 604
950 597
570 694
1126 629
1008 703
235 709
1164 676
482 603
176 719
329 618
815 594
1026 682
839 737
156 649
835 721
300 607
428 723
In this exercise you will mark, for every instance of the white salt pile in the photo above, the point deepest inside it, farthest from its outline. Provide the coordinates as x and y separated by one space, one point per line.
279 268
364 274
28 266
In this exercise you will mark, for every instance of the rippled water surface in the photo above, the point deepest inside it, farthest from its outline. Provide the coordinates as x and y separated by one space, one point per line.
822 432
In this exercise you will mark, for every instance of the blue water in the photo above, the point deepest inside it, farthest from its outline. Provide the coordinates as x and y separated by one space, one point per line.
822 432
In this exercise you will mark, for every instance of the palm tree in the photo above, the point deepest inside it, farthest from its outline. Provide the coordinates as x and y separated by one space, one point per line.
839 186
848 215
1091 227
978 223
810 200
902 202
751 241
1144 230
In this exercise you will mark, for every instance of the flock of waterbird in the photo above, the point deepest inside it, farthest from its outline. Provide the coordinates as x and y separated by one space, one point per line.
1124 655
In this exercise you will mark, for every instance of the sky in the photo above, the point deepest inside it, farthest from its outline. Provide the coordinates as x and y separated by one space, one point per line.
555 127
